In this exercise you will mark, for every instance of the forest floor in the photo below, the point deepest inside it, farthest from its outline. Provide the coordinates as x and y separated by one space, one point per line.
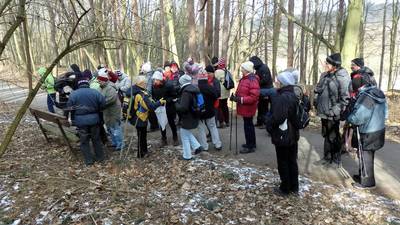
43 183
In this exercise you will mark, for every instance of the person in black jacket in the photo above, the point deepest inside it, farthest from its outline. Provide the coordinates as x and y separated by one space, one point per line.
165 89
264 74
207 119
188 119
284 135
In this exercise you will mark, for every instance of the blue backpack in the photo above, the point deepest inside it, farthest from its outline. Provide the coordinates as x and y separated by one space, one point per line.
199 107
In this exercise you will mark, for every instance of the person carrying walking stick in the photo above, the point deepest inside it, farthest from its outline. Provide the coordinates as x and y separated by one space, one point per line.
368 115
246 98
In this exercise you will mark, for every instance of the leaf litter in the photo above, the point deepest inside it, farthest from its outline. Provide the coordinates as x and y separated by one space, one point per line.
43 183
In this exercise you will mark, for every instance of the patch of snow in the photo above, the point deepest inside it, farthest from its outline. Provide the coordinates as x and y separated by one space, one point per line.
16 222
16 187
42 216
107 221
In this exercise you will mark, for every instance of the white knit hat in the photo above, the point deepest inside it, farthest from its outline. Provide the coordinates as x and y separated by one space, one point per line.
185 79
248 66
103 74
157 75
286 78
146 67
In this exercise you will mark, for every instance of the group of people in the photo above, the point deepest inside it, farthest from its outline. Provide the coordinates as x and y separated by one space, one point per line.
197 98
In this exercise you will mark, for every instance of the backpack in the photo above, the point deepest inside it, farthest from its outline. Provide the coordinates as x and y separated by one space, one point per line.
302 117
228 81
199 107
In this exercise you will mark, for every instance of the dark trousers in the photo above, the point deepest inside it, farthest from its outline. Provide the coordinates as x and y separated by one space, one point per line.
249 132
223 111
51 99
368 164
153 120
287 168
332 142
142 141
262 110
87 133
171 122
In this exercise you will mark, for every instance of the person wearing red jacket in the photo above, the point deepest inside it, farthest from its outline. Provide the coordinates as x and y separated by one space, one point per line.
246 98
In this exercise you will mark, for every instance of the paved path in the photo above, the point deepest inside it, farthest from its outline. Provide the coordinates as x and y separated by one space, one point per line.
10 93
387 160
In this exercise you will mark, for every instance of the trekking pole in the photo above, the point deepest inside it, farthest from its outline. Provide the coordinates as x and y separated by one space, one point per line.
236 134
360 149
230 127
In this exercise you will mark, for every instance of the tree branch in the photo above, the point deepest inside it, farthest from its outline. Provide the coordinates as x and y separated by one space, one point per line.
4 6
306 28
68 49
14 26
75 27
203 6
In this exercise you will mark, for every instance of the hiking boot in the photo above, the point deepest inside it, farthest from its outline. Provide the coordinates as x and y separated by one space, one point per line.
198 150
247 150
357 178
279 192
245 146
219 148
175 141
164 142
362 187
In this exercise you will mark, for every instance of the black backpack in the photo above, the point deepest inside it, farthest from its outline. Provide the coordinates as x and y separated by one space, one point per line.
302 118
228 81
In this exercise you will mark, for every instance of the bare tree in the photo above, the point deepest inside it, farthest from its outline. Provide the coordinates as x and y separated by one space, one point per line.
393 37
225 30
303 65
216 27
290 49
191 28
383 44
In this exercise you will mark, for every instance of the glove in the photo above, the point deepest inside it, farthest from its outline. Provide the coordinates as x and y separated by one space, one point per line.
234 98
163 101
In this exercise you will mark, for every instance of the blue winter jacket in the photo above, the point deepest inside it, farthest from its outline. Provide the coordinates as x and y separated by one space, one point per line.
369 114
85 105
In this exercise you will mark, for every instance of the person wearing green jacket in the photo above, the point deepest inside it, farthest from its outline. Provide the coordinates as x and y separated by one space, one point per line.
48 85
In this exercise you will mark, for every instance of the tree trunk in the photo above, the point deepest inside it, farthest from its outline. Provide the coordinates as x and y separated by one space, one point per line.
251 23
53 30
303 66
170 23
266 27
393 37
209 31
28 59
362 30
275 36
339 26
290 50
202 46
216 27
315 49
352 32
225 30
192 28
383 44
164 34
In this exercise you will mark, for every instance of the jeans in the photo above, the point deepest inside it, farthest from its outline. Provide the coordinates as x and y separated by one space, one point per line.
142 141
189 142
117 137
223 111
86 134
172 125
51 99
212 126
288 168
249 132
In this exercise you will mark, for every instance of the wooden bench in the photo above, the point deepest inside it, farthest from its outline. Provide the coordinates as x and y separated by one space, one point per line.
61 121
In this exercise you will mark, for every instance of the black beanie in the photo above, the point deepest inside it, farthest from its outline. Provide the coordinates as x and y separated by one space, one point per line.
214 61
358 61
167 63
335 59
210 69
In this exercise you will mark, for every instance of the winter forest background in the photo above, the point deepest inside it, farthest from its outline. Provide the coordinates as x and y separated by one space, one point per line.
134 31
